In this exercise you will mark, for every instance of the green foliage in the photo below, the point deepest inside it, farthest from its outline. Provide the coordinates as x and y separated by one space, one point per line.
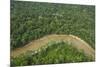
31 20
56 52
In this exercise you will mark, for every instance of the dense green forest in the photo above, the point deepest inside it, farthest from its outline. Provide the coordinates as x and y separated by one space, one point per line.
32 20
54 52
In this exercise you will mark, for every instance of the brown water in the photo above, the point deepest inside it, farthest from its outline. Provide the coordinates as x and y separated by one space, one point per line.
36 44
